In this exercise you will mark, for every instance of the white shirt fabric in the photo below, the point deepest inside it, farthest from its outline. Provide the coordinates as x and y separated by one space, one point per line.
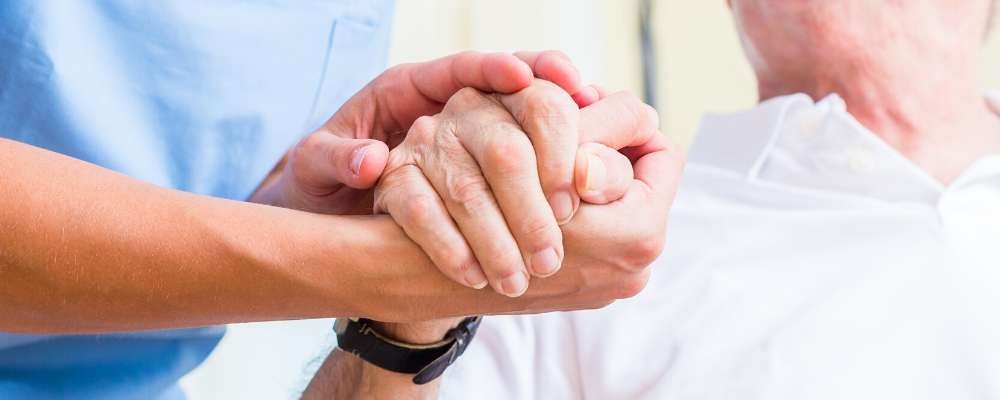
806 259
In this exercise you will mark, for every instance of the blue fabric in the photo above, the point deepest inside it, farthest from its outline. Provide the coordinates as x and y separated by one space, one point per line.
198 95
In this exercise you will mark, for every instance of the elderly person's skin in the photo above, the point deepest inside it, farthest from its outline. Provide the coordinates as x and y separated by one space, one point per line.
619 121
909 71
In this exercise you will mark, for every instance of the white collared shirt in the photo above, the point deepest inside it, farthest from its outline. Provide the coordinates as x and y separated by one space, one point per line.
806 259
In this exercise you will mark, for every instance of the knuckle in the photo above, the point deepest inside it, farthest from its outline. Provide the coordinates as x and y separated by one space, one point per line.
509 153
470 191
649 118
422 130
547 103
632 286
539 232
644 251
299 158
307 146
397 159
509 263
644 117
465 96
418 210
453 259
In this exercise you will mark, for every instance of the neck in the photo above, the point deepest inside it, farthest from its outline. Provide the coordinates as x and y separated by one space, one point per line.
931 112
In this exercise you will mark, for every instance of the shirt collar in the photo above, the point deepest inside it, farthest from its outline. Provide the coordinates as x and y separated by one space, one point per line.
794 141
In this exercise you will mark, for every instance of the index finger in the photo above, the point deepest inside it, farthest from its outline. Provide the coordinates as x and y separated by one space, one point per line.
619 121
551 120
408 91
556 67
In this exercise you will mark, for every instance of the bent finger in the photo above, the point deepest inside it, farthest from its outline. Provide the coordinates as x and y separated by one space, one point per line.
619 120
554 66
603 174
409 198
551 120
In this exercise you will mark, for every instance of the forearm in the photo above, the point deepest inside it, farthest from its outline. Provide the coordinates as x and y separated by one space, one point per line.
85 249
344 376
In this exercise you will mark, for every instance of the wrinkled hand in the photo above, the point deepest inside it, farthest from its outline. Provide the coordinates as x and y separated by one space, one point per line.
608 247
332 170
479 182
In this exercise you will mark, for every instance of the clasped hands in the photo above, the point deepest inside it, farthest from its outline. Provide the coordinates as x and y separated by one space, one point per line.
505 170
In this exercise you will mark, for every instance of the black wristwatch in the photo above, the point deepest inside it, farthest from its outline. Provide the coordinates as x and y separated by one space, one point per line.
359 337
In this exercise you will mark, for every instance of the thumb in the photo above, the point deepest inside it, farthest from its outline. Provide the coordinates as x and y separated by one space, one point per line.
603 175
324 161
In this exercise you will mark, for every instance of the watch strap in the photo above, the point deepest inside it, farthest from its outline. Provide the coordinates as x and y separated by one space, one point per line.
428 362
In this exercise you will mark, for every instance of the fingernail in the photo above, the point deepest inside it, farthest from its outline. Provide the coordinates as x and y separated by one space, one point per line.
545 262
597 174
562 206
357 158
474 277
514 285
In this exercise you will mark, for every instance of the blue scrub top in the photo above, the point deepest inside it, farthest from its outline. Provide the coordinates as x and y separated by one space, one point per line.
197 95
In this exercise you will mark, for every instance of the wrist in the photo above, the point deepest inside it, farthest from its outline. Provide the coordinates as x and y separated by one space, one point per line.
418 333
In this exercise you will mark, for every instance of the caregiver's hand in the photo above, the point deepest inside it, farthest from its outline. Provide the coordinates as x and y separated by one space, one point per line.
332 170
465 184
607 247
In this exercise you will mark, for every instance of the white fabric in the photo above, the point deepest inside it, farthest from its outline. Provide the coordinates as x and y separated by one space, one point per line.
806 259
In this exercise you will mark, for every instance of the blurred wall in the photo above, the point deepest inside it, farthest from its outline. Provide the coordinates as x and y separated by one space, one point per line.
701 69
701 66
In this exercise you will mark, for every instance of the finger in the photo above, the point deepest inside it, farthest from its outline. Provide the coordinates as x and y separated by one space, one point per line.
552 122
508 163
456 177
554 66
618 121
658 168
586 96
489 72
405 92
506 157
324 161
603 174
602 92
409 198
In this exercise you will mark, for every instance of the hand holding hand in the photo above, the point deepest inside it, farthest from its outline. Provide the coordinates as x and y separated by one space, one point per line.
465 184
332 170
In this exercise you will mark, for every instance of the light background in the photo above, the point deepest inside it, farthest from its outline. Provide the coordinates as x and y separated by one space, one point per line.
700 69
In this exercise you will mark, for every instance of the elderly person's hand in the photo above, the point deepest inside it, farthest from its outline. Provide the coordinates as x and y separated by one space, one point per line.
472 183
473 162
333 170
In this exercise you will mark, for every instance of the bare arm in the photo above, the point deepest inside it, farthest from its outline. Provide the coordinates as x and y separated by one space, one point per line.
619 121
85 249
344 376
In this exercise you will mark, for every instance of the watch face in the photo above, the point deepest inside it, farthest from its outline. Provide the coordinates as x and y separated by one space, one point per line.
340 326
